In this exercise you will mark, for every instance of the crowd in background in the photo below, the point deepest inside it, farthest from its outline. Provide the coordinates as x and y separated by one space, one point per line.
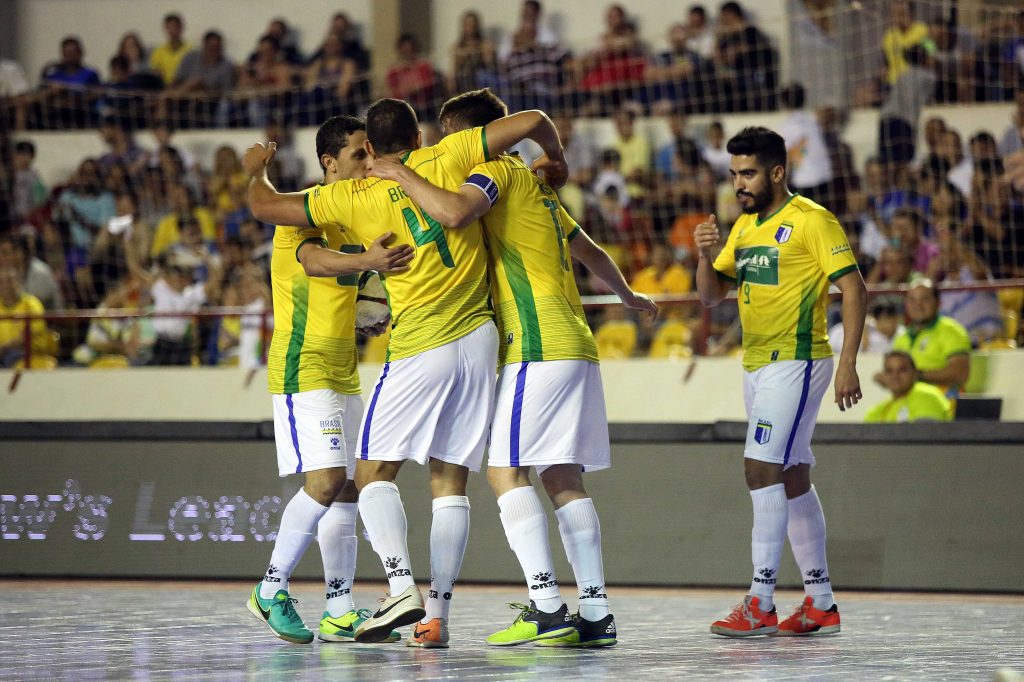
152 229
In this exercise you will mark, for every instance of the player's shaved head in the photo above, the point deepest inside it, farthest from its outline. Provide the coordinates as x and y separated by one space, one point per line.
333 136
471 109
391 126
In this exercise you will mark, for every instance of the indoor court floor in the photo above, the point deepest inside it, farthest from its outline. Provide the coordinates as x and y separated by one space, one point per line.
160 630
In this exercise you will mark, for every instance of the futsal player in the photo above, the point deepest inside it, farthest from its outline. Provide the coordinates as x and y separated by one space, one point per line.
782 254
312 372
433 401
550 411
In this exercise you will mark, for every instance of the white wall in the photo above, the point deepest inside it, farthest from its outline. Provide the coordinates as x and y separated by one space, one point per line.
101 23
703 390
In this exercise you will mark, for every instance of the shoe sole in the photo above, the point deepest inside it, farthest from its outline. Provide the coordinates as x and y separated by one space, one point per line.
341 639
591 644
827 630
561 632
426 645
256 614
380 631
725 632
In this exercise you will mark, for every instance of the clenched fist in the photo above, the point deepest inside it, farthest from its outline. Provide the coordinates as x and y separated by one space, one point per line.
707 237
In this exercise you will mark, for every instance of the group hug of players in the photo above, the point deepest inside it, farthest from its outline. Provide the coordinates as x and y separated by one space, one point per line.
476 254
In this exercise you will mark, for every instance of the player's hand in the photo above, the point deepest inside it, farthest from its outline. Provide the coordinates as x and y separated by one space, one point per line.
847 386
376 329
258 157
707 237
386 169
388 260
642 303
554 171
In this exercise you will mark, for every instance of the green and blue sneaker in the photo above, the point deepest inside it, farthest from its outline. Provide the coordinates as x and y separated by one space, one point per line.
343 628
586 633
280 616
532 625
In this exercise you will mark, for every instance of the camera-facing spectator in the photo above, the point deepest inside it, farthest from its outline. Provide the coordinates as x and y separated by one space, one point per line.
167 57
880 328
911 400
15 301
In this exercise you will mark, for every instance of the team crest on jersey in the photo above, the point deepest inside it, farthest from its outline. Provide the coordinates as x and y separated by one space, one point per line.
784 232
763 431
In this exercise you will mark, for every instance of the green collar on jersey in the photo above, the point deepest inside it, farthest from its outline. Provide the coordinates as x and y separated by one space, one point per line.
759 222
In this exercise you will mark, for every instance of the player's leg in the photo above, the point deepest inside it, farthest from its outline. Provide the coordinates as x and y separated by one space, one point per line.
818 613
580 528
307 432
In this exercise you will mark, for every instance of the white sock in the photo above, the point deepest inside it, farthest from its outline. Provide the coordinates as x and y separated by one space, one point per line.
807 537
298 522
767 539
449 532
337 536
581 535
380 507
526 527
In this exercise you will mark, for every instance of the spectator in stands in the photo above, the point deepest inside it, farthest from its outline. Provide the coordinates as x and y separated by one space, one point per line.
532 73
746 62
810 168
121 148
203 78
961 169
122 98
134 53
700 37
911 91
287 38
663 274
15 301
413 79
939 345
664 159
224 182
634 152
616 71
904 33
995 225
689 193
29 192
13 81
352 48
184 209
907 229
131 338
953 48
1013 137
474 61
581 157
84 209
880 328
328 83
288 169
529 18
191 251
983 148
63 99
167 57
895 266
37 278
266 82
912 400
678 74
861 227
714 152
239 337
162 131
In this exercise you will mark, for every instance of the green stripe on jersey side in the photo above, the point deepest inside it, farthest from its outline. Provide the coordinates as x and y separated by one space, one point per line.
805 323
522 292
309 214
483 139
314 240
300 310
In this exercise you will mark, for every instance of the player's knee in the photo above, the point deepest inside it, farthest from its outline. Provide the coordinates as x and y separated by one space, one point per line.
761 474
324 485
563 482
504 479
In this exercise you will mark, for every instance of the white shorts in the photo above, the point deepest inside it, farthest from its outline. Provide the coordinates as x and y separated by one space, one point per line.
782 401
548 413
436 404
316 430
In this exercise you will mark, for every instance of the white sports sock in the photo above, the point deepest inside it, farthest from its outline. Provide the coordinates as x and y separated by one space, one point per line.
298 522
807 537
380 507
526 527
767 539
337 536
581 535
449 532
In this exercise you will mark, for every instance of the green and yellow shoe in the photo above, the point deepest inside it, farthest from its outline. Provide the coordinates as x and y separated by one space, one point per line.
532 625
280 616
343 628
586 633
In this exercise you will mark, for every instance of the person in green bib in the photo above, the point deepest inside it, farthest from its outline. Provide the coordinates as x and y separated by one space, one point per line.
911 400
939 345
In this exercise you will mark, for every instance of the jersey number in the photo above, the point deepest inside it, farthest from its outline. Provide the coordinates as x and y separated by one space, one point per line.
435 233
746 292
352 279
552 207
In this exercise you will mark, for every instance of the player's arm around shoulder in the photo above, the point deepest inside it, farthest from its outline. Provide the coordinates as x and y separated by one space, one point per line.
451 209
708 239
320 261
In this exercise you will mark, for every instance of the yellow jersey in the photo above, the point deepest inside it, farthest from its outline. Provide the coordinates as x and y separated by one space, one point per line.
444 294
12 331
314 342
536 302
782 266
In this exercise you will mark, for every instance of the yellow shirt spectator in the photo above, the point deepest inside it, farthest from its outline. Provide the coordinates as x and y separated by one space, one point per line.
166 59
895 42
168 234
12 332
674 280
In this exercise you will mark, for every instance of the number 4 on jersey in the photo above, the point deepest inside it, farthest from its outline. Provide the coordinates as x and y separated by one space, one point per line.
435 233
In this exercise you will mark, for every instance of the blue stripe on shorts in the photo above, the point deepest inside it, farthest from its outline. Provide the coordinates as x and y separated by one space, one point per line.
365 446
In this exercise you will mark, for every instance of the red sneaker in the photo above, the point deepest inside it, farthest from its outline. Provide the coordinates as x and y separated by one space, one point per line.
807 620
747 620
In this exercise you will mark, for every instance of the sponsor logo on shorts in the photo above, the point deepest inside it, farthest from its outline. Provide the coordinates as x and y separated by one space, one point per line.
392 563
763 431
544 579
765 576
336 588
330 427
335 444
815 577
594 592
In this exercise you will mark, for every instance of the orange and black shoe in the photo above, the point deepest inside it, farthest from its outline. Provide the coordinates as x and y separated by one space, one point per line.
747 620
430 635
807 620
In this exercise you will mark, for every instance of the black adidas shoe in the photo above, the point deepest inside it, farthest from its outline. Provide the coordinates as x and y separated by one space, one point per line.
586 633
